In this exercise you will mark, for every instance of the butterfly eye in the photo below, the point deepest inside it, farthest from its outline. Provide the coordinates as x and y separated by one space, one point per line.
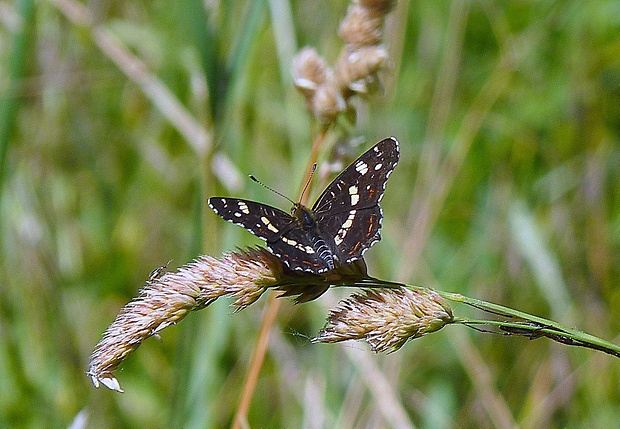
307 218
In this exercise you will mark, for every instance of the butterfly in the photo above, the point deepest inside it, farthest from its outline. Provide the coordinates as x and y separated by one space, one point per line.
342 224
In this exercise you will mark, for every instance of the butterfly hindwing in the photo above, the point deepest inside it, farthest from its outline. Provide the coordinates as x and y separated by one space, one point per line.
355 231
297 251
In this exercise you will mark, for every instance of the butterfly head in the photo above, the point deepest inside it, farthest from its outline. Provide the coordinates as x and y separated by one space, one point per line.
304 216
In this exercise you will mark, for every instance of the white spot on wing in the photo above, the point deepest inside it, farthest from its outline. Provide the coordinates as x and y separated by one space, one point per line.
355 196
349 222
361 167
243 207
344 229
269 225
289 241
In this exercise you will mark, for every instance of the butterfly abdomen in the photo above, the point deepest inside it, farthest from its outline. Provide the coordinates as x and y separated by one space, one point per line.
307 221
322 249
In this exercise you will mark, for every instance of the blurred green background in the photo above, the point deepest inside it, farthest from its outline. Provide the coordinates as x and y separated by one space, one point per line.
508 190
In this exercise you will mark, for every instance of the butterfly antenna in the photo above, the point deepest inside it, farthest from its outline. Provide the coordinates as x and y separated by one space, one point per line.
271 189
301 198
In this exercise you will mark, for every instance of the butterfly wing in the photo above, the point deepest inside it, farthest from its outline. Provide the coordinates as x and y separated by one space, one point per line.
296 250
354 231
265 222
348 209
279 229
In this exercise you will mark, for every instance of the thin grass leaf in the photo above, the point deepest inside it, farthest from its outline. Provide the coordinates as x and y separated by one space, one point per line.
10 101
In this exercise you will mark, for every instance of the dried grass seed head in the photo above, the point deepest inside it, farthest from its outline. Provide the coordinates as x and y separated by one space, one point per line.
356 68
166 300
310 70
360 27
327 103
377 8
387 318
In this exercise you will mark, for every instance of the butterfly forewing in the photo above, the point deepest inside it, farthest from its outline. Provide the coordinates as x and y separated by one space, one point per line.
346 218
349 208
266 222
362 183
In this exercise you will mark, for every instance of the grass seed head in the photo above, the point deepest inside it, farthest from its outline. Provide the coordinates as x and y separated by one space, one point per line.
386 318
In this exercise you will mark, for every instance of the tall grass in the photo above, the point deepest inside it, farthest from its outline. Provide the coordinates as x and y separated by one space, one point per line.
121 120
